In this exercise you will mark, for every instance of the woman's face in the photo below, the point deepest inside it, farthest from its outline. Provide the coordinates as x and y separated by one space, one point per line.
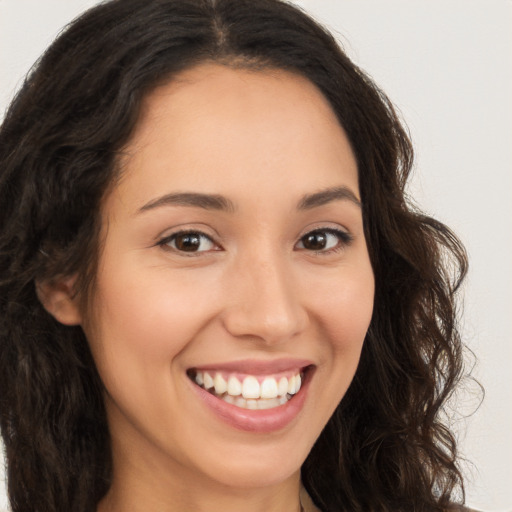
233 252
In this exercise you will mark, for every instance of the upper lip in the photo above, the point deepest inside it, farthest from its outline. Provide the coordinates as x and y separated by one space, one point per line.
257 367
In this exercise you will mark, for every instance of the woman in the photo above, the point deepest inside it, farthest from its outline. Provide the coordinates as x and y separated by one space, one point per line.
214 295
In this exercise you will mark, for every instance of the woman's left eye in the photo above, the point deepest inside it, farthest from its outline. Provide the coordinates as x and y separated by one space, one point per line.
324 240
189 241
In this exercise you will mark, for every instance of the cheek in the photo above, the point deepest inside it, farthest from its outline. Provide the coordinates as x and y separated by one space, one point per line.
347 312
351 314
344 307
141 321
150 300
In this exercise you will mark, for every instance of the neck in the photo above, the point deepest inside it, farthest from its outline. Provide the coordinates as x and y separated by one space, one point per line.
139 496
142 483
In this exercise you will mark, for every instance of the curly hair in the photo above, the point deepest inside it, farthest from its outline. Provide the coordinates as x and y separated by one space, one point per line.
386 447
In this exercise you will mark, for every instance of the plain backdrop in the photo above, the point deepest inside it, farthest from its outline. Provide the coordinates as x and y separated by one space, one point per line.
447 65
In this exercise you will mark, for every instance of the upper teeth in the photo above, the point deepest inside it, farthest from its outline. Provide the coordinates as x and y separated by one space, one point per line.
250 387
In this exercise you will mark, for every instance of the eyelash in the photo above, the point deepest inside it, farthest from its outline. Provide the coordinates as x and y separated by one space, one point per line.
166 241
344 240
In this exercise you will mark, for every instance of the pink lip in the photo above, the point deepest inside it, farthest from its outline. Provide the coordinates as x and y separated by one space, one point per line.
257 367
257 421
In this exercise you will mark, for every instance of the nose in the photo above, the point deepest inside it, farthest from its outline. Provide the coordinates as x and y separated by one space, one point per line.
264 303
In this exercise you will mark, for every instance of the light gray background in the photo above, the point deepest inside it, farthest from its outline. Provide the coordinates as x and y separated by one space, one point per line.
447 65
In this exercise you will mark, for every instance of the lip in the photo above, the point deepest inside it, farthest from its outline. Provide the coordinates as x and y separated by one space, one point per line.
257 367
256 421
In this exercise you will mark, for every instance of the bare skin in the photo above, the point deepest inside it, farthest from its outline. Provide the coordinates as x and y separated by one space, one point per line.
251 288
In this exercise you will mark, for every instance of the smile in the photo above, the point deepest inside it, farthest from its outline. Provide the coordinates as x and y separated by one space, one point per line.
250 391
253 396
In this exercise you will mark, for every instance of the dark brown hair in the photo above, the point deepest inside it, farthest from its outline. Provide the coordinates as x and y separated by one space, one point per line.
386 447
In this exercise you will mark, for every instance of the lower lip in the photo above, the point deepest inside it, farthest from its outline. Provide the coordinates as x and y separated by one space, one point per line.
258 421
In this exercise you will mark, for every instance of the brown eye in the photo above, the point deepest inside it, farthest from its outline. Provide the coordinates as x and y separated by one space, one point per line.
315 241
324 240
189 242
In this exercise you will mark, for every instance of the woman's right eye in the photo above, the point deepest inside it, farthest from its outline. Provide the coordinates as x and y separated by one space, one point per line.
189 241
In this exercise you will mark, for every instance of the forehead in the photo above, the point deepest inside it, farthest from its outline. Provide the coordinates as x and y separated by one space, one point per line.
213 126
212 88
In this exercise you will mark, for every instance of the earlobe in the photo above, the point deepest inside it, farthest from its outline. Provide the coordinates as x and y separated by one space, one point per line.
59 298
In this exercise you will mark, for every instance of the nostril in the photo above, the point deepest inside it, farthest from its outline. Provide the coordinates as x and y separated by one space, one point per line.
265 323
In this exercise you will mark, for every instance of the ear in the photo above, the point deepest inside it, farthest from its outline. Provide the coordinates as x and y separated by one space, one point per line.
59 298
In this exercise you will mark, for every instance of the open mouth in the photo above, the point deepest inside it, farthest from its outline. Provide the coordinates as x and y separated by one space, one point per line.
256 392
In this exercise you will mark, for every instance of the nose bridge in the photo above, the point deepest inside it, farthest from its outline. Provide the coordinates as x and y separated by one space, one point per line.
264 301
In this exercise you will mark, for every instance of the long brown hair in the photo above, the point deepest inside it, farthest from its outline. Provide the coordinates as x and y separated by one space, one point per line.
386 447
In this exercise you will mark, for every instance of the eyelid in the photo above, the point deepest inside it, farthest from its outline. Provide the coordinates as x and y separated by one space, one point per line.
327 226
165 240
187 227
344 236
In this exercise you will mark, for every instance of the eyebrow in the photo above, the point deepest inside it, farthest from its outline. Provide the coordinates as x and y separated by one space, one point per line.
326 196
194 199
221 203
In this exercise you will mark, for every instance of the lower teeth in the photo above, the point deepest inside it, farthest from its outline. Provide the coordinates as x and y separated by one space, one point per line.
250 403
266 403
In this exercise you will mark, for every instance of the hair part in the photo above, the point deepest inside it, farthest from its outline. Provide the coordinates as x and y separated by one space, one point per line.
385 448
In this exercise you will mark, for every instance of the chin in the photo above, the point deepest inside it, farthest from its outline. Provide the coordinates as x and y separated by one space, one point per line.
253 476
255 467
